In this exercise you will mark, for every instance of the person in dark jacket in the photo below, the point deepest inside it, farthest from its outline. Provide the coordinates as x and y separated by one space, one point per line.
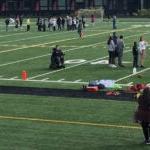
80 28
57 58
135 54
120 47
7 23
142 114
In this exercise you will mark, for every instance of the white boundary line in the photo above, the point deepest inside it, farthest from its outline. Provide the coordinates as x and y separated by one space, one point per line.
69 39
43 81
53 81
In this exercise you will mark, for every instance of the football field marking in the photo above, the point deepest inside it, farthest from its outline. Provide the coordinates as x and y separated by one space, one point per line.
49 121
131 75
69 39
39 36
12 34
37 57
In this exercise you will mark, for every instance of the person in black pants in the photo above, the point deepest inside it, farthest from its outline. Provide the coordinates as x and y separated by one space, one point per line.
142 114
135 55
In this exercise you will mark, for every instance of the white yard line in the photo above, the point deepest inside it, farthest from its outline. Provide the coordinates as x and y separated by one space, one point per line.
53 81
39 36
16 77
55 71
45 79
12 34
77 81
69 39
37 57
60 80
131 75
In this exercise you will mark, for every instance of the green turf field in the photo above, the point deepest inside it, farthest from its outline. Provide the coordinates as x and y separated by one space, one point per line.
54 123
30 51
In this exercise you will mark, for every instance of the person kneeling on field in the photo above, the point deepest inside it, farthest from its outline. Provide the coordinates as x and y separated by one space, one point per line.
57 58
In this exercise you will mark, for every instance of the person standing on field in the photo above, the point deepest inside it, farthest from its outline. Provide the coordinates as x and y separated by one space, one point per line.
135 55
142 51
28 24
111 51
120 47
114 22
80 28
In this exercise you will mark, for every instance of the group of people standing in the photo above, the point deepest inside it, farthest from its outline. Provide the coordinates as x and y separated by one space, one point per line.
17 22
116 47
59 23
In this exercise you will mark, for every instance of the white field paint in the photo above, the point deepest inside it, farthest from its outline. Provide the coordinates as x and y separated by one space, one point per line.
37 57
90 61
29 38
45 79
16 77
61 80
69 39
55 71
53 81
131 75
77 81
12 34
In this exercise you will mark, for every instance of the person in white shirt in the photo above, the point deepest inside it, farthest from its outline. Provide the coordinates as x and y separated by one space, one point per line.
111 52
142 50
54 21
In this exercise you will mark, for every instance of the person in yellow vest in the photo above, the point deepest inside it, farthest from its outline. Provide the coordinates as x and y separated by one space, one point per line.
28 24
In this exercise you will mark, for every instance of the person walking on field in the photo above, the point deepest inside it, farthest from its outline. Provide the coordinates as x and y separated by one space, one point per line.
142 51
142 115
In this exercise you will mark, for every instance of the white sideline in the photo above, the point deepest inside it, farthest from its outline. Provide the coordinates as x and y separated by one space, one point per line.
32 58
69 39
43 81
53 81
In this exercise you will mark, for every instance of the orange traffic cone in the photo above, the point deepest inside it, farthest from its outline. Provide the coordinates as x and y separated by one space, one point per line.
24 75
